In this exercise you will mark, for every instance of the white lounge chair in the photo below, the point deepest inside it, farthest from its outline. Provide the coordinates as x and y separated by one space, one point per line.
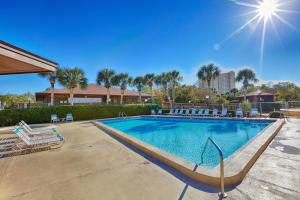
37 135
54 118
181 112
176 112
69 117
200 112
194 111
224 112
215 113
51 128
206 112
35 140
239 112
25 144
44 133
159 112
171 112
153 112
187 112
254 112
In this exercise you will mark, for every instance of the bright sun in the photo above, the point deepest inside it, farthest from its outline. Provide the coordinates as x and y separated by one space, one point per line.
265 13
267 8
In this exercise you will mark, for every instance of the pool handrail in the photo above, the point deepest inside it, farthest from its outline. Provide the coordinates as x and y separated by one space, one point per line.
222 174
122 115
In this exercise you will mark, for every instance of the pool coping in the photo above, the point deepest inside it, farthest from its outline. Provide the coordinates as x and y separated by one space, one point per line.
236 166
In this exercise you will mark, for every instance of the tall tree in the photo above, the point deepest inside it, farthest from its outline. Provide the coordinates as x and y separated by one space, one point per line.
52 77
208 73
72 78
173 78
139 82
122 80
106 77
163 81
246 76
149 79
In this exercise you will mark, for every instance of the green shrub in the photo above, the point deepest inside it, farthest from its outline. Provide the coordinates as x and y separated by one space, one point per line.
231 113
276 115
246 106
80 112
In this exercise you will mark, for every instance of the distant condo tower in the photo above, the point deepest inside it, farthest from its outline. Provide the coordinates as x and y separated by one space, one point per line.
224 83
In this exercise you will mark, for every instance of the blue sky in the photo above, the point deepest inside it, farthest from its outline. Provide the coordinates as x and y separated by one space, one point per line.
139 36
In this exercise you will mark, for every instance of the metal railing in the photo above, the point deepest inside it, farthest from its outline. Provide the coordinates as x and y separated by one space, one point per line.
122 115
222 182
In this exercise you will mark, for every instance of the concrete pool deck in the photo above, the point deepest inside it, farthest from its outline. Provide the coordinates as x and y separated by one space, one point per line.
93 165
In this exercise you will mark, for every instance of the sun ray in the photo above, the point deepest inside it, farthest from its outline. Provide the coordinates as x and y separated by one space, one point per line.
276 31
246 13
244 4
283 3
286 23
261 59
266 11
287 11
256 25
238 29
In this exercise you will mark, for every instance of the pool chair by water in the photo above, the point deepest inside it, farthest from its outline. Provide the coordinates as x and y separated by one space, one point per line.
69 117
253 112
206 112
44 130
153 112
30 135
194 111
187 112
176 112
200 112
239 112
224 112
181 112
27 144
171 112
215 113
159 112
54 118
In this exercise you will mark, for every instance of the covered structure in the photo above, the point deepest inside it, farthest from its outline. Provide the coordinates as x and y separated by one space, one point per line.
258 96
92 94
14 60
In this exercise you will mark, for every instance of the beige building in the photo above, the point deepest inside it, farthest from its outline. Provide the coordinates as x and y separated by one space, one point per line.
92 94
224 83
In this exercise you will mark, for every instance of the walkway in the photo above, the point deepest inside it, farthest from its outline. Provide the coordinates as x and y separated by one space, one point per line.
93 165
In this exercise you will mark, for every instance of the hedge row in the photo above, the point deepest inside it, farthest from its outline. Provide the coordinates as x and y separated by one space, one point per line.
80 112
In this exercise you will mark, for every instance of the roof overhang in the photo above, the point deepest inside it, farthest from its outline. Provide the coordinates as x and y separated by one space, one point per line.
14 60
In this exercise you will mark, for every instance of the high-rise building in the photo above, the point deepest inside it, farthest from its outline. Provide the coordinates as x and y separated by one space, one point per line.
224 83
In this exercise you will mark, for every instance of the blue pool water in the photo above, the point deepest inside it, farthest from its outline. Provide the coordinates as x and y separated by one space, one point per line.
186 138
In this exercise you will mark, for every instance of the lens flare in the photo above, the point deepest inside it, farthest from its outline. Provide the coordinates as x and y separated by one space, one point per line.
267 8
263 12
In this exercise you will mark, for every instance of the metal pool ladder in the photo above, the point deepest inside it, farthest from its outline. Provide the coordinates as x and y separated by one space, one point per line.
122 115
222 194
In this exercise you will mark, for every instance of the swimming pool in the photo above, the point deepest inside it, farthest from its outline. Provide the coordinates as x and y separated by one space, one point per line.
186 138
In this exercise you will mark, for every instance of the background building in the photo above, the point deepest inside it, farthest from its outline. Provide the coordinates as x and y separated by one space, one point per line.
92 94
258 96
224 83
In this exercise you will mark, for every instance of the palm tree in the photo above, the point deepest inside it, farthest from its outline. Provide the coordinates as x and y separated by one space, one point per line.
149 79
122 80
106 77
246 76
139 82
72 78
208 73
174 77
52 77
